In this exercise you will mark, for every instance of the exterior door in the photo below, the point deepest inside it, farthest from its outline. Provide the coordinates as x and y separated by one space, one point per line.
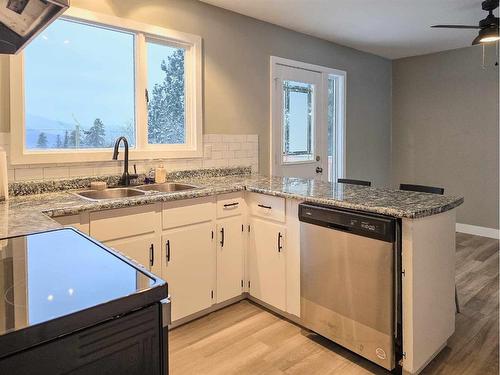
298 139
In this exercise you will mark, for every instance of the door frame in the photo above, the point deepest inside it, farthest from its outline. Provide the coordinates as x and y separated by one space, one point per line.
340 134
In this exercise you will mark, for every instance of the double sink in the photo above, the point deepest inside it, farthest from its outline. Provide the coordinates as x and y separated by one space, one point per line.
112 193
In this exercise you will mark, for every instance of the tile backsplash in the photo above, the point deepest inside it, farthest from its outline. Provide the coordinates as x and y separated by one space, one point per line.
219 150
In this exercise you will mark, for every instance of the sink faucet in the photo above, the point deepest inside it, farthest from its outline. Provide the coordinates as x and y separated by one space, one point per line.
126 177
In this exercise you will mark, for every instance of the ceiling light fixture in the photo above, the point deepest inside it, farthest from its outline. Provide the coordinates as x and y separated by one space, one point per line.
487 35
488 26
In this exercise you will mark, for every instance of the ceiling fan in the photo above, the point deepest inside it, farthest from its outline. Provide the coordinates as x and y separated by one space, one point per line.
488 27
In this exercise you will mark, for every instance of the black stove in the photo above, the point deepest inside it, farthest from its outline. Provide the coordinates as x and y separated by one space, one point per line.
56 283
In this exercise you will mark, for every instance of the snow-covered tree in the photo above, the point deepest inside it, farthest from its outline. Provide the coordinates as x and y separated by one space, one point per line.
58 142
66 140
95 137
42 140
166 105
75 138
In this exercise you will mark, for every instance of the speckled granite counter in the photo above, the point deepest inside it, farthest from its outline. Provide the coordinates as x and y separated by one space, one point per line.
21 215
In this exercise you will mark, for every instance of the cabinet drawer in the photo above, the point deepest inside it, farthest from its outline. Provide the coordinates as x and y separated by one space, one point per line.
124 222
80 222
266 206
230 205
190 211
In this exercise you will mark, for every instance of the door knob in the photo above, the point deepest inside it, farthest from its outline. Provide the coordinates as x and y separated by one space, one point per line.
319 170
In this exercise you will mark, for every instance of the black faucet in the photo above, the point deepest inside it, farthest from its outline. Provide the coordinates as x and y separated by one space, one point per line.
126 177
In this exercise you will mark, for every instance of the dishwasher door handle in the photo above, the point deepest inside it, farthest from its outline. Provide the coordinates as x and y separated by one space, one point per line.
338 226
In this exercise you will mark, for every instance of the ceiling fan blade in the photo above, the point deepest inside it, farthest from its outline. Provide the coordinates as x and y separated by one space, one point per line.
455 27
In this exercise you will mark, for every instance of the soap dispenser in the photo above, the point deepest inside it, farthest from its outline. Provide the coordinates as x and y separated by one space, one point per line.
160 174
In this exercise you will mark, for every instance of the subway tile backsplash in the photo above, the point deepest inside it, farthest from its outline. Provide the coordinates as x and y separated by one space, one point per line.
219 150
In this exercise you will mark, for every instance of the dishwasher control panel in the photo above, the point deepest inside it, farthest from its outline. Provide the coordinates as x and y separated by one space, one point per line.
369 225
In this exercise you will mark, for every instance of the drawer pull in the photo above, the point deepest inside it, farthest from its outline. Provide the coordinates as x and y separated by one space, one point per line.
227 205
167 246
266 207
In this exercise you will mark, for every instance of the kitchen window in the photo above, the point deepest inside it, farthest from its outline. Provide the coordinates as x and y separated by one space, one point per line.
89 78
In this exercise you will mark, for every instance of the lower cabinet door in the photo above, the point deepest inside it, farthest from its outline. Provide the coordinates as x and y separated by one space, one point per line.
230 250
145 250
189 268
267 263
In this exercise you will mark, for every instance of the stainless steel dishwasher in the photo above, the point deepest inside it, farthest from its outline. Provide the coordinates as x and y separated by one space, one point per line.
348 284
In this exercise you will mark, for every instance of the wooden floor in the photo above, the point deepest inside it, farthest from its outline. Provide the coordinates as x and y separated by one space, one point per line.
245 339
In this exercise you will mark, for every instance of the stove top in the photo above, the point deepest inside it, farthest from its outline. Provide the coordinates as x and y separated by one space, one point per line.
45 276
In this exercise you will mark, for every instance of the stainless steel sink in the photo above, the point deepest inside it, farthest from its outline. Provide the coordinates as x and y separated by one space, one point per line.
109 193
167 187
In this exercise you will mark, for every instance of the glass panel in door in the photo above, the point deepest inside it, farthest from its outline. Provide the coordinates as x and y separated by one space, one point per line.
298 120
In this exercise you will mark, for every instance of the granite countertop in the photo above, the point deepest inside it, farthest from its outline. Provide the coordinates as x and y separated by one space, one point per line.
31 213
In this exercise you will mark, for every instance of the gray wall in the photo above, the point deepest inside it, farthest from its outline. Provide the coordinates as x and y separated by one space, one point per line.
445 129
236 75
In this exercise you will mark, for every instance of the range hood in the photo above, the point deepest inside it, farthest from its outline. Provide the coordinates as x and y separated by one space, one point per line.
22 20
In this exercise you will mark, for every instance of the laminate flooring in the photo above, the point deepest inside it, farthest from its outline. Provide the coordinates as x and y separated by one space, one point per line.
247 339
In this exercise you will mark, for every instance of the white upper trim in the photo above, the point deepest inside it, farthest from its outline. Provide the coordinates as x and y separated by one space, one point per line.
194 100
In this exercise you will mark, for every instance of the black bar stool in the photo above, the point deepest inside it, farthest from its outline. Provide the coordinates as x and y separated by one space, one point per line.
432 190
354 182
422 188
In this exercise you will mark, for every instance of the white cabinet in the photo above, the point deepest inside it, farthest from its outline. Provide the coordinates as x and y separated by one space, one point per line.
267 263
231 204
292 257
230 258
119 223
266 206
189 268
134 231
80 221
207 249
145 250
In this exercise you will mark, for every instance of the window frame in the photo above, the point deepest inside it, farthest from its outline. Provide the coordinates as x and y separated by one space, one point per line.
142 32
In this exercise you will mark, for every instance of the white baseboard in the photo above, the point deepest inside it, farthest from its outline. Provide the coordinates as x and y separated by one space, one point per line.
478 231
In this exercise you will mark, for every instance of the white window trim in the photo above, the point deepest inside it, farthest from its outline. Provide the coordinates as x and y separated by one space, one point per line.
340 128
194 102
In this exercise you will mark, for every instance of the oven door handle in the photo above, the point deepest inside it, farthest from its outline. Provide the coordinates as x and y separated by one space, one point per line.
166 318
166 312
